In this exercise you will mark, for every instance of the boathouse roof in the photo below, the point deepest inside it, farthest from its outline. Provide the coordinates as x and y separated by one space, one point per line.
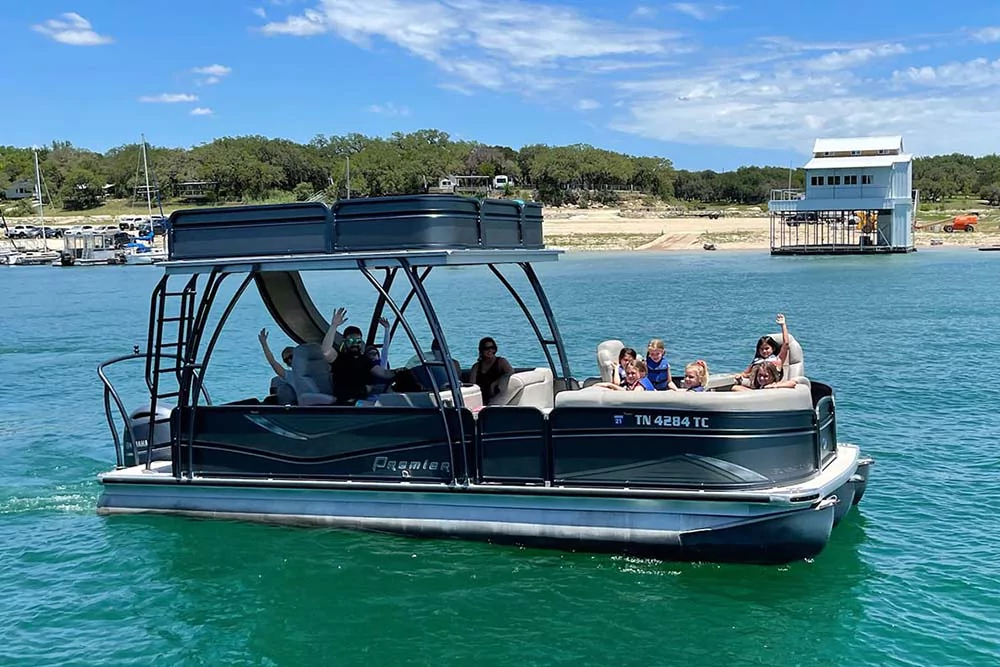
856 162
886 144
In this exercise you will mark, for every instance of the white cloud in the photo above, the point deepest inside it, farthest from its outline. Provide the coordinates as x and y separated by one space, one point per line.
514 33
213 70
388 109
836 60
212 74
201 111
260 12
169 98
978 73
749 90
987 35
699 11
72 29
310 23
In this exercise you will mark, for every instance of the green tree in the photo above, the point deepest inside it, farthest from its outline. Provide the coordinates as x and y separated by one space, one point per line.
81 190
302 191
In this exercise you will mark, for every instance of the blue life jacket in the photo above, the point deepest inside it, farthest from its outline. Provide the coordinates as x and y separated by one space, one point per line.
658 374
647 384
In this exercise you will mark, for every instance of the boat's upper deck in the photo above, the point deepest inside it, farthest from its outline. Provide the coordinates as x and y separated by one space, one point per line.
425 230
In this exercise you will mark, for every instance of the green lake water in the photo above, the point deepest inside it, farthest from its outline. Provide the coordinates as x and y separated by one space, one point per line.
909 343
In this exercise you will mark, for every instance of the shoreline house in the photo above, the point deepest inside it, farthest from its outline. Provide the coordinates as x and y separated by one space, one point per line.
20 189
858 199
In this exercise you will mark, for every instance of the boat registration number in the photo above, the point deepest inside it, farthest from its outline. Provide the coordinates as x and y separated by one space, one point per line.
664 421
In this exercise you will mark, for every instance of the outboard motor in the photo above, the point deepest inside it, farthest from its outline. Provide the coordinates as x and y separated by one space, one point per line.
135 452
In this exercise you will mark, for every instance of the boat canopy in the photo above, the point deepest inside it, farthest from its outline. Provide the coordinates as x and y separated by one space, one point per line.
380 232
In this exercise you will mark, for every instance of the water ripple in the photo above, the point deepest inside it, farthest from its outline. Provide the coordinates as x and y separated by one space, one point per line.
908 580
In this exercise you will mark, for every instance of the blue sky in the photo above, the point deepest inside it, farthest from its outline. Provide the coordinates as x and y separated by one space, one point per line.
710 85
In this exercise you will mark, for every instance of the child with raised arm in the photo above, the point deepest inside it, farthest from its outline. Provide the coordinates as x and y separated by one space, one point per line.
286 355
768 350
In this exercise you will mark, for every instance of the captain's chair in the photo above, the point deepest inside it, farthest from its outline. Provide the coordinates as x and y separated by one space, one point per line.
310 375
607 358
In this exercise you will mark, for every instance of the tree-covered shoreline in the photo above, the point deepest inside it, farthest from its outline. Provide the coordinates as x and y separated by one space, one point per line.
255 168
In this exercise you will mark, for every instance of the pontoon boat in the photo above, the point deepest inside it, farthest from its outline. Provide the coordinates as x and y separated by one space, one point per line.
551 461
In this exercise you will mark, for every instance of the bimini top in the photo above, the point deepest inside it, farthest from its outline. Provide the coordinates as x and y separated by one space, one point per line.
426 230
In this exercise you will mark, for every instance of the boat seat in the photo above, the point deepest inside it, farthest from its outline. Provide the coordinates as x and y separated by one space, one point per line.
472 396
607 358
526 388
310 375
282 390
769 400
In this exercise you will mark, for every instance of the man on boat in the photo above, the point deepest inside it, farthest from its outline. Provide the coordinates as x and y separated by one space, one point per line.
352 370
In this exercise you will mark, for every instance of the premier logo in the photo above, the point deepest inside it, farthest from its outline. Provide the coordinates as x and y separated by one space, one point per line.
384 463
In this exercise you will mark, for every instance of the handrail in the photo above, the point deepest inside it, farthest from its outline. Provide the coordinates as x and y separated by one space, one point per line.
111 394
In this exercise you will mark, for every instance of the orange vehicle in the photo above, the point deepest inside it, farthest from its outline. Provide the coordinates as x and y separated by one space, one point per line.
963 223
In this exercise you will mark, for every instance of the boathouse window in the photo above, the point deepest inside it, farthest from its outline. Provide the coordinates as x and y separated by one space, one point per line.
866 179
816 180
851 180
833 180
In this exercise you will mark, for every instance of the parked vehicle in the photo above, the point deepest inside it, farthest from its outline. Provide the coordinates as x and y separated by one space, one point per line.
800 218
128 223
79 230
25 232
156 228
963 223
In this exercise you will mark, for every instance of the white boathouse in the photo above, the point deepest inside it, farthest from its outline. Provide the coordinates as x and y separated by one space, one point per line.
858 199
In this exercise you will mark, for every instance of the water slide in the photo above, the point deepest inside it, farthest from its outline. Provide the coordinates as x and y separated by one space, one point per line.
286 298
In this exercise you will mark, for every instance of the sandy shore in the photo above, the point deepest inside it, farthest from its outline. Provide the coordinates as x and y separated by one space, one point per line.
606 229
611 229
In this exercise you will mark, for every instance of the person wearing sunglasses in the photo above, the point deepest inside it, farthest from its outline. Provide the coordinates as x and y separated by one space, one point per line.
352 371
489 369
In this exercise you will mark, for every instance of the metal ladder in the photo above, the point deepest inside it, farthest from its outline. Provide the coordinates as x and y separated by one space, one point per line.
168 352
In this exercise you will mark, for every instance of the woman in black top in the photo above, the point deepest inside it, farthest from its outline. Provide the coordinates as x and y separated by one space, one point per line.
489 369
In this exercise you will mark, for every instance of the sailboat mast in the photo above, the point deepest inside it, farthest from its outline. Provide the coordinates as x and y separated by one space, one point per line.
145 168
38 193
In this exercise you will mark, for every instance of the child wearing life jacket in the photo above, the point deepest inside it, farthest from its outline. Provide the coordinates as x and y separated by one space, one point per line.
635 379
695 376
656 362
